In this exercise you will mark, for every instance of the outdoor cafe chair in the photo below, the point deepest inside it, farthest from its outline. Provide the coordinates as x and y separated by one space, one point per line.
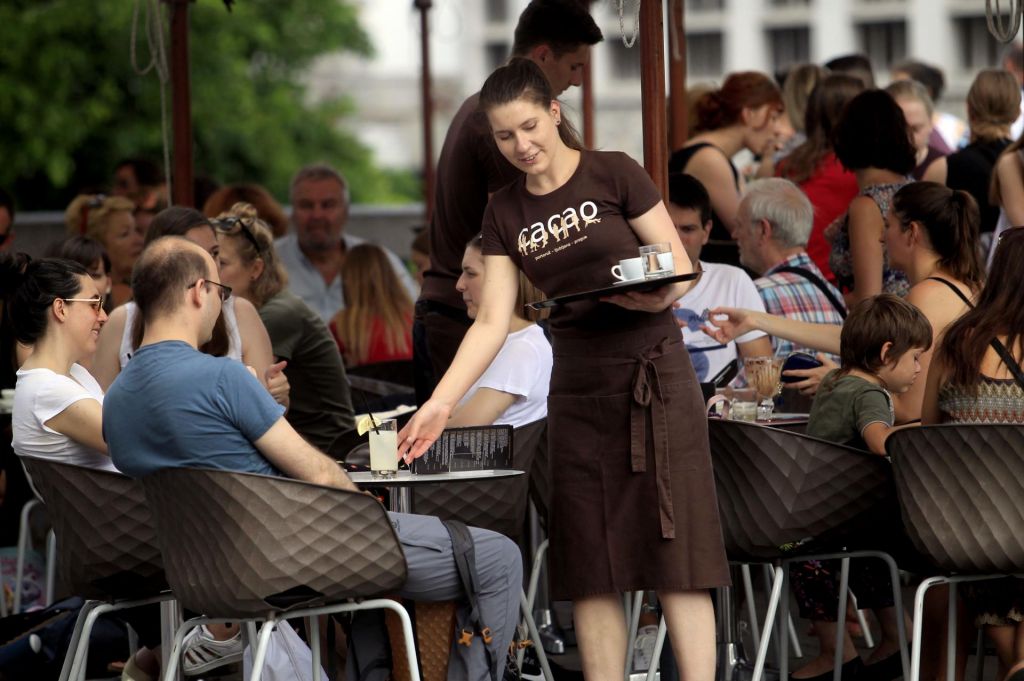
961 495
247 547
106 545
776 489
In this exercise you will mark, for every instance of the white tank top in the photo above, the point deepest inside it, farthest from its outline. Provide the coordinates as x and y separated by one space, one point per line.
234 337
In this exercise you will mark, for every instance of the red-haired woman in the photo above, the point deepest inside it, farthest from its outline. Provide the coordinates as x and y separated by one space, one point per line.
743 114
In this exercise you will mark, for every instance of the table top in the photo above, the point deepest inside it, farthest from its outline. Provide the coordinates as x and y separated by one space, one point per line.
407 478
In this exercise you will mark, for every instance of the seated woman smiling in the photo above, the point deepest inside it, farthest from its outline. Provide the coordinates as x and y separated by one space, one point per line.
514 388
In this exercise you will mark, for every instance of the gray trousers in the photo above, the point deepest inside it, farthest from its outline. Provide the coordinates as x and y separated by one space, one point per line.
434 577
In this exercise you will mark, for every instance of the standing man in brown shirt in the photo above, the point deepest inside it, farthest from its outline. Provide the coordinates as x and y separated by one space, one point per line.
556 35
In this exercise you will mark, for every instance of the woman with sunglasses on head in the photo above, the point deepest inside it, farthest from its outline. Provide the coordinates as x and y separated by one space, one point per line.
321 407
55 308
238 334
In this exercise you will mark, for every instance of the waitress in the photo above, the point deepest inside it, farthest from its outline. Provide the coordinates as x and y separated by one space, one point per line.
634 505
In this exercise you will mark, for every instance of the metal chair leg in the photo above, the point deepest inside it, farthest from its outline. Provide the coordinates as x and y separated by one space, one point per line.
869 639
314 645
844 585
659 644
531 627
784 626
748 592
260 655
633 604
915 657
769 621
951 634
979 664
76 637
51 565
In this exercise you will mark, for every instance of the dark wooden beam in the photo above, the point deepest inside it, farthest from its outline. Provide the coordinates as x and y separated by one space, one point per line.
181 105
652 91
678 124
427 107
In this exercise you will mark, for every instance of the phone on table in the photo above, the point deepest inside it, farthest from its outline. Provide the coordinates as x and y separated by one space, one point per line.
725 376
798 360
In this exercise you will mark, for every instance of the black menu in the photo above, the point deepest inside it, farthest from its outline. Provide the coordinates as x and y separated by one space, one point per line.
467 449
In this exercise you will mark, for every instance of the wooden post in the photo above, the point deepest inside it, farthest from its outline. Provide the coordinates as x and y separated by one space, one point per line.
427 106
678 124
588 104
652 91
181 105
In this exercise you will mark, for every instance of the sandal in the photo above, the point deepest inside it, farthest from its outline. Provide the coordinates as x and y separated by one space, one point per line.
201 652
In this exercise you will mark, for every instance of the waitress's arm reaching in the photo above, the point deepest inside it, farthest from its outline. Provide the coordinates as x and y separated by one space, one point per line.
481 344
654 227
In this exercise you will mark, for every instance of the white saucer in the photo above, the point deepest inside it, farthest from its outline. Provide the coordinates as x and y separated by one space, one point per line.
628 281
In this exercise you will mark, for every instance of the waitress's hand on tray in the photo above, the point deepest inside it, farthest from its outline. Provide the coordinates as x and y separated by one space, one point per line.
726 323
651 301
422 430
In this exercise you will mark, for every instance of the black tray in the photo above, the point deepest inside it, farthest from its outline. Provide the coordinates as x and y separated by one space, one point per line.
641 285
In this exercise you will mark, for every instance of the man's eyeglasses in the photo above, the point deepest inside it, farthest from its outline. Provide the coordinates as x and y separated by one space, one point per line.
95 303
225 291
233 225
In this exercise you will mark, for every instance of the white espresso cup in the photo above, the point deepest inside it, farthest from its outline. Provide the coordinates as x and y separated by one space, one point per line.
628 269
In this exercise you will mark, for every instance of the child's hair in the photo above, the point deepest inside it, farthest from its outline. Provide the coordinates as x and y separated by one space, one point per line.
872 323
372 291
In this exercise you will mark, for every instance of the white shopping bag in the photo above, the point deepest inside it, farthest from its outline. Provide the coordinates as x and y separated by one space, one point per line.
288 658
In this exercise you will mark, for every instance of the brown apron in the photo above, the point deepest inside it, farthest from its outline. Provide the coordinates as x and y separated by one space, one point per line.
633 500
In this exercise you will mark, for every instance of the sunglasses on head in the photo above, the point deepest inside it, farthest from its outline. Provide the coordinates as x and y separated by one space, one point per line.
233 225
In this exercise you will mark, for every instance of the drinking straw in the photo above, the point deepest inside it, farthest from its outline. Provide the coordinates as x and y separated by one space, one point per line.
366 406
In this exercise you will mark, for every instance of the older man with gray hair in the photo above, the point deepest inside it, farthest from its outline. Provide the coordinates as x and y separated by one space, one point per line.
314 251
773 224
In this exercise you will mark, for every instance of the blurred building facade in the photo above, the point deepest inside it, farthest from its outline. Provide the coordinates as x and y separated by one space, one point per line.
471 37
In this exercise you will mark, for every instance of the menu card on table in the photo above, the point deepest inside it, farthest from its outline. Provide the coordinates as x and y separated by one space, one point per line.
467 449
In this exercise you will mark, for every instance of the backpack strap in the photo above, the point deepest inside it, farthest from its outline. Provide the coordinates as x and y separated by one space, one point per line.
465 563
817 281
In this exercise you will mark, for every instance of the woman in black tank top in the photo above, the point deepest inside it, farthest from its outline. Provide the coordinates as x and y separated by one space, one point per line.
743 114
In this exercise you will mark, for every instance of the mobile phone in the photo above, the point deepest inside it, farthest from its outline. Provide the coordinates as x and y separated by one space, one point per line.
725 376
798 360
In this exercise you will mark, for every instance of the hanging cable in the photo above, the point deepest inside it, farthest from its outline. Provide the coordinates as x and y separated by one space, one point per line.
994 16
154 30
629 42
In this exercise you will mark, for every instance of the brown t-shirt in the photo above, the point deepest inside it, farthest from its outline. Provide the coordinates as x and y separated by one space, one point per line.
470 167
567 241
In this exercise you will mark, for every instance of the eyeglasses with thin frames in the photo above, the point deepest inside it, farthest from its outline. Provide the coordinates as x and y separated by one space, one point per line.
232 225
95 303
225 291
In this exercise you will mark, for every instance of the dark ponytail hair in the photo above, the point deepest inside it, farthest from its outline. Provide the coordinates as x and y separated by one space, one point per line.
30 287
523 79
951 219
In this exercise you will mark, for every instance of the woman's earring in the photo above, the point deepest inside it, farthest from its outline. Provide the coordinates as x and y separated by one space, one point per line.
558 121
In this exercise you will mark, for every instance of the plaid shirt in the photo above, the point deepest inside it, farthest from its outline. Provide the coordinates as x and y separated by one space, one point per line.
794 296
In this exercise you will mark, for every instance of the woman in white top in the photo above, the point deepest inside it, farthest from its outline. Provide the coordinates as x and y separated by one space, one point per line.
514 388
239 333
55 307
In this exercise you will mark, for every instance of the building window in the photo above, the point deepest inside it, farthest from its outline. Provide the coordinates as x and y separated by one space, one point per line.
704 55
497 55
497 11
625 61
789 46
885 43
978 48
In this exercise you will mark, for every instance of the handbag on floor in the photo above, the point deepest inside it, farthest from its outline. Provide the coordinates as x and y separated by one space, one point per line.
288 657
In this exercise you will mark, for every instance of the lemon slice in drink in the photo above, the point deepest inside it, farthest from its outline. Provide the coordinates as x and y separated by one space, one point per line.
364 425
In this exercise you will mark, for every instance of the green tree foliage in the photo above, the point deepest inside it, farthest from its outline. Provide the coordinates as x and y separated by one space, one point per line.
71 104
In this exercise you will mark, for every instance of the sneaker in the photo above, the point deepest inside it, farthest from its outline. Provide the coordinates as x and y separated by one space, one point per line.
643 647
201 652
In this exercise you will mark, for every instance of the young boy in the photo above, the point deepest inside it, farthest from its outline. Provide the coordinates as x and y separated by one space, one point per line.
881 345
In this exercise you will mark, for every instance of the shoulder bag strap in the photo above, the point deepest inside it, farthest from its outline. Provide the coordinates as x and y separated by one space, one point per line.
954 289
465 563
1009 361
817 281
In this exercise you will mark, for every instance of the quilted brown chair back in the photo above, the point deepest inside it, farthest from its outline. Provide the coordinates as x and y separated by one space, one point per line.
498 504
106 539
776 487
961 494
240 544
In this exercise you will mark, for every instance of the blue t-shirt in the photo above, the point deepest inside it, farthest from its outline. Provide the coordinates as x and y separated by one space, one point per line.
175 407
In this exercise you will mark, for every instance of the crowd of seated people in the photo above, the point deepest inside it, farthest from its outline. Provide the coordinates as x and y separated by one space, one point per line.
875 208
